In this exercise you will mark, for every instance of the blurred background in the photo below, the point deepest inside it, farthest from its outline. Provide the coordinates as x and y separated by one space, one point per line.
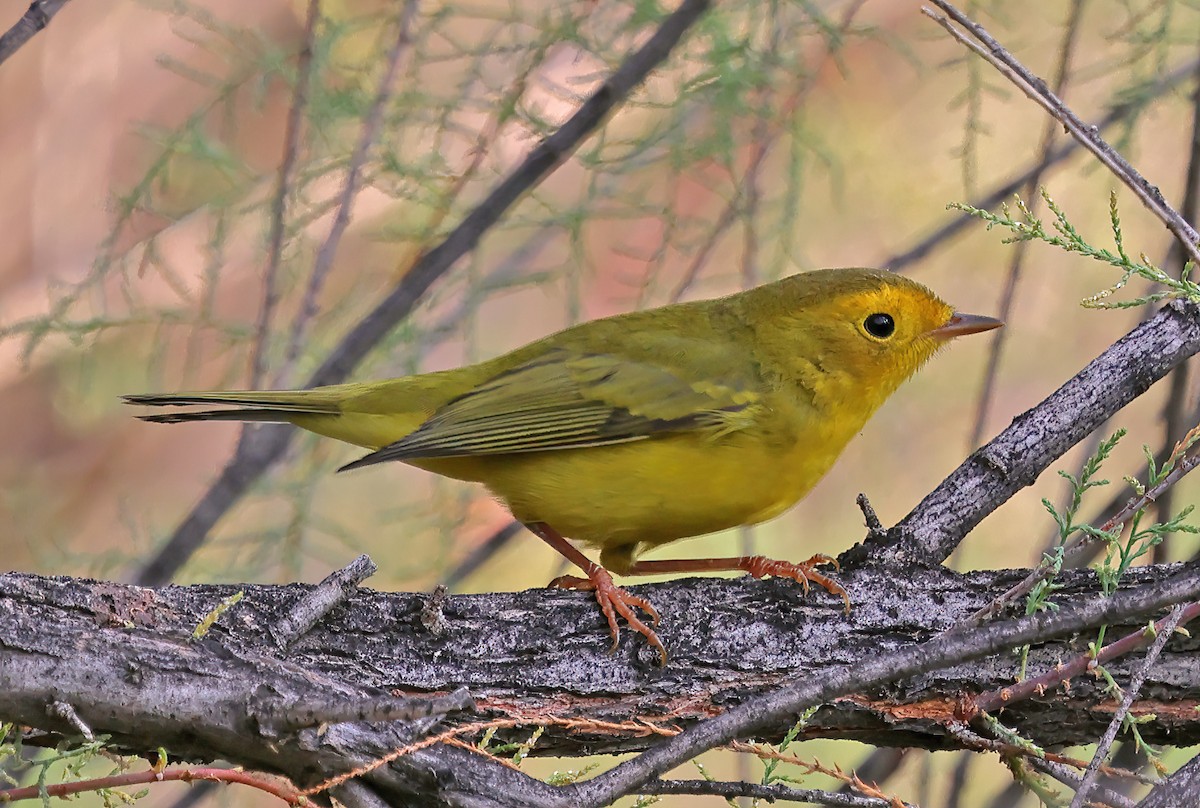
142 143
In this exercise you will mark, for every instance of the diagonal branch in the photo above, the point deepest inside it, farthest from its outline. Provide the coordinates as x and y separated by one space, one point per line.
1048 138
1117 113
283 190
35 18
538 659
358 158
1008 66
1165 631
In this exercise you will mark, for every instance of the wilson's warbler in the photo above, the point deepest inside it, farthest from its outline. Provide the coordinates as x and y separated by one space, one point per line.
637 430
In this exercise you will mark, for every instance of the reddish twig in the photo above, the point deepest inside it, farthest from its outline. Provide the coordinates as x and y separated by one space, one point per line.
272 786
1063 673
1187 459
974 741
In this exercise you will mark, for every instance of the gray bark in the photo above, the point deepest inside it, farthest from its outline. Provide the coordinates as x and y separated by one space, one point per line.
122 656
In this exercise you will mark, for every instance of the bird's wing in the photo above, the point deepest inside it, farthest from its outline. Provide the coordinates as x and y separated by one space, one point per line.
565 400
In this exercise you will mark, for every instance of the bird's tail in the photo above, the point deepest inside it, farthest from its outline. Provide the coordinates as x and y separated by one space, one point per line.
280 406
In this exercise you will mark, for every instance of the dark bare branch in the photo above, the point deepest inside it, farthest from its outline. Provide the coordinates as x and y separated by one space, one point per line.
35 19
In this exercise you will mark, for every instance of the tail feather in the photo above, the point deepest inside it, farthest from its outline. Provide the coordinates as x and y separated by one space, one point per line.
293 401
277 416
250 405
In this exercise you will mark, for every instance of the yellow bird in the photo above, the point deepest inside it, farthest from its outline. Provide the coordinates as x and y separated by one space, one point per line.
640 429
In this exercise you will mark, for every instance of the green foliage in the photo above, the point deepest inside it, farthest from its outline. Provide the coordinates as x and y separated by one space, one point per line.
770 767
1120 553
65 764
1039 597
519 750
10 750
1038 784
567 776
1062 234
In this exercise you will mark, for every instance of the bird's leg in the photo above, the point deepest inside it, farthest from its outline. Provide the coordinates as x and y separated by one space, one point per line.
758 566
613 599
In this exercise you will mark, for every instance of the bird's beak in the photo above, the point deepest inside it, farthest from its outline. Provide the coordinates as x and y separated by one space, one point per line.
960 324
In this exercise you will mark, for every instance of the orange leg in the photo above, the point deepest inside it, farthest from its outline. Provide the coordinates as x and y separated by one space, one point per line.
758 566
613 599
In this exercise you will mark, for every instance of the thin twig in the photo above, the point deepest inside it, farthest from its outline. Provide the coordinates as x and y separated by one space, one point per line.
345 204
1009 67
870 518
1165 630
273 786
1068 778
1117 113
323 598
66 712
283 189
972 740
1046 569
765 136
266 445
1049 136
771 793
35 19
1063 672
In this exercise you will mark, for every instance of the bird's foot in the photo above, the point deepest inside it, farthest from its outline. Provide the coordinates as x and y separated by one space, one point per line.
803 573
615 601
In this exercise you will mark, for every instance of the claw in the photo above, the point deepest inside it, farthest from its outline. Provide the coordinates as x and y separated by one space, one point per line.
615 601
803 573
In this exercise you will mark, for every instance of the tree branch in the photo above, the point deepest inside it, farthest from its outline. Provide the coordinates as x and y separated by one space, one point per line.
1035 88
35 18
537 659
874 670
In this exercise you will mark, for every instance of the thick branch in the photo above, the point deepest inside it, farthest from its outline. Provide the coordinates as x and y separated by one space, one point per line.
537 655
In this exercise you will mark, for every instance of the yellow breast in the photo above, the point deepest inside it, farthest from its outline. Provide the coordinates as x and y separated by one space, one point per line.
664 488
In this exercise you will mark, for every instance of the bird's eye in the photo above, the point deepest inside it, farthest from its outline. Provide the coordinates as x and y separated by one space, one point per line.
880 325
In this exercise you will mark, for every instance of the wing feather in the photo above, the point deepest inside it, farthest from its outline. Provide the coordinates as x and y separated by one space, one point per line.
564 400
